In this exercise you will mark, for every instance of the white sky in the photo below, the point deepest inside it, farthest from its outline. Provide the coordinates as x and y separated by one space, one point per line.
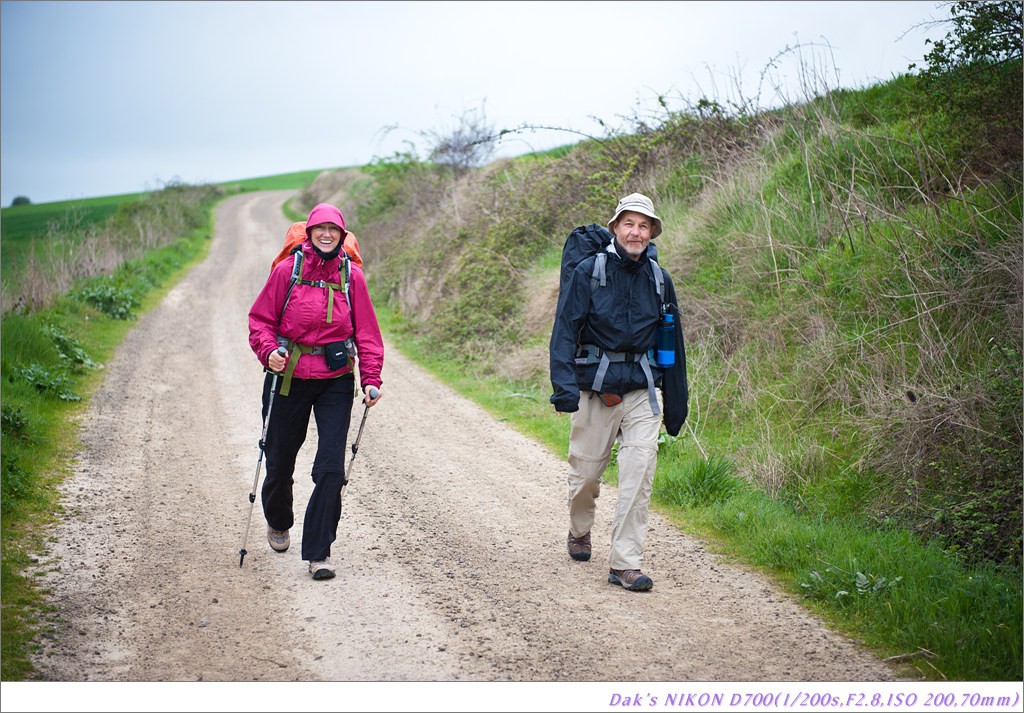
103 98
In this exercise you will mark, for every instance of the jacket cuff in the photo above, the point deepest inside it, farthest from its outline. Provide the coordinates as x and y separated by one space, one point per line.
566 405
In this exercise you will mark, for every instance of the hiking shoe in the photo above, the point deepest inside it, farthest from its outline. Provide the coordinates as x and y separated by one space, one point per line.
321 569
579 547
631 579
278 539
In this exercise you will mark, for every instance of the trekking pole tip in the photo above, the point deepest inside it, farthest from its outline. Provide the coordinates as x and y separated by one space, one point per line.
241 556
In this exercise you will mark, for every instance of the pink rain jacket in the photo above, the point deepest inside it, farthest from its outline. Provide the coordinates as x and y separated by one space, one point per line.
305 319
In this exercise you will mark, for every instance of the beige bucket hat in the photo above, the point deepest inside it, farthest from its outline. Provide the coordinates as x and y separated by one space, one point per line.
638 203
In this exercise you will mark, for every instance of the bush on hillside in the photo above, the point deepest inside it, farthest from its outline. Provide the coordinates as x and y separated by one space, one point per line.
467 145
973 76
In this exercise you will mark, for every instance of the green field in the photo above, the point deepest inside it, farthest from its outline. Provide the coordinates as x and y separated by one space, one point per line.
21 225
24 228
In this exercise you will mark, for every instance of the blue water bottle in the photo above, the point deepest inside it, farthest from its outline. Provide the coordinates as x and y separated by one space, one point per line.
667 341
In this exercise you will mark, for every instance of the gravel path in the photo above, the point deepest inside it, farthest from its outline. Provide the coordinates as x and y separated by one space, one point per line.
451 546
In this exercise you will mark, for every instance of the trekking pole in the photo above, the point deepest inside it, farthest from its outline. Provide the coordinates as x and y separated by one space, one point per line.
372 393
263 438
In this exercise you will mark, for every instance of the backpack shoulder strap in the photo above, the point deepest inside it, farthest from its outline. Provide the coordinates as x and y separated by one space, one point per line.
345 271
296 265
598 276
659 279
295 278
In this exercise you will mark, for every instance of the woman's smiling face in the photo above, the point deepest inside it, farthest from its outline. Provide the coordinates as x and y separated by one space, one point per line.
325 236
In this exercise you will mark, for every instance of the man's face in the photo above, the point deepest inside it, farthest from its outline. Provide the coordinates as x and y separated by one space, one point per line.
633 233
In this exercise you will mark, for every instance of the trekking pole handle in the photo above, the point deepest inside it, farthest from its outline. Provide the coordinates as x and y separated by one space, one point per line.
372 392
281 352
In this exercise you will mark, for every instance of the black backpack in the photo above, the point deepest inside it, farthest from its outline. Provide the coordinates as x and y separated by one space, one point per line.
594 239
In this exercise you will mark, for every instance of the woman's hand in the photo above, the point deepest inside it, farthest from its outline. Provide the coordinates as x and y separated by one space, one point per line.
277 359
371 395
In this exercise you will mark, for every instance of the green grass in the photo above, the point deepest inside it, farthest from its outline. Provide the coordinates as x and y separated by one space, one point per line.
35 458
21 224
281 182
898 595
25 222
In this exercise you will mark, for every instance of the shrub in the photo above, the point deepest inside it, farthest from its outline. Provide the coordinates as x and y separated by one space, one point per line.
467 145
15 483
108 297
706 482
974 76
69 349
13 423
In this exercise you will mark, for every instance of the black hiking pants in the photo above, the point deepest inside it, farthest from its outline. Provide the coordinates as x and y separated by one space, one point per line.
331 401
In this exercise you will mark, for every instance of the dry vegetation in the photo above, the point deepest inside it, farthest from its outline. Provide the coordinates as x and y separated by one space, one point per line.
69 251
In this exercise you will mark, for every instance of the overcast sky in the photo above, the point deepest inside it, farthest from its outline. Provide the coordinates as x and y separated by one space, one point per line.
103 98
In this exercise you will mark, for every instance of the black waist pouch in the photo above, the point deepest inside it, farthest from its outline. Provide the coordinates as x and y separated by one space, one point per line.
336 355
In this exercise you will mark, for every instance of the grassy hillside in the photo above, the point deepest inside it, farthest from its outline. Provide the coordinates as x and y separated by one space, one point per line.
849 271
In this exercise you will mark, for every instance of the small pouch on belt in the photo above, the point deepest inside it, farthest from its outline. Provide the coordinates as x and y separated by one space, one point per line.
336 355
610 399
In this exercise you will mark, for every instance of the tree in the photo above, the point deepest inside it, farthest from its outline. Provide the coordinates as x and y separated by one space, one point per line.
984 34
974 78
21 200
468 145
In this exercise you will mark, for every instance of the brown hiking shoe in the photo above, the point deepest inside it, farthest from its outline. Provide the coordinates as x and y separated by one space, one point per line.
579 547
321 569
631 579
278 539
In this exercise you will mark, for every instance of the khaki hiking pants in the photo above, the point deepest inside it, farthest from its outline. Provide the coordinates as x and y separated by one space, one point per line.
594 430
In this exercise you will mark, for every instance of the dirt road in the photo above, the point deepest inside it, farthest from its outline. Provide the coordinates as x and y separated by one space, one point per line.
451 549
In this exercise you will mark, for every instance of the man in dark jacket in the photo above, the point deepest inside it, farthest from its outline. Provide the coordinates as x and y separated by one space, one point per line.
604 373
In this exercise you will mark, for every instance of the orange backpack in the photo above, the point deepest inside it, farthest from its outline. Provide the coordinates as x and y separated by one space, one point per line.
297 233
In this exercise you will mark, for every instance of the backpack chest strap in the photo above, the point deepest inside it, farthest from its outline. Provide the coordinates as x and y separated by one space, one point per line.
331 288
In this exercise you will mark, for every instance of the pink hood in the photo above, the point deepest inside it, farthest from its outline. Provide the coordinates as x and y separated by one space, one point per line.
325 213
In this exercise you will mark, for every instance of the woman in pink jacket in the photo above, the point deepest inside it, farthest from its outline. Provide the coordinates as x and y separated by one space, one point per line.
321 321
